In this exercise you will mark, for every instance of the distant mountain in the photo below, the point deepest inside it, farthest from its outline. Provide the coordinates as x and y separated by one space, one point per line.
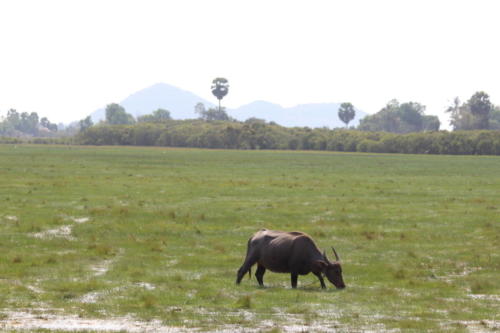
181 104
310 115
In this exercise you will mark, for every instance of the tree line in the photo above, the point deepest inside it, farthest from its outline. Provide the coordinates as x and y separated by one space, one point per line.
158 129
258 134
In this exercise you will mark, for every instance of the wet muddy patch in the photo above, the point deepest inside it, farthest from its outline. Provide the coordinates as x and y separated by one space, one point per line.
484 297
12 218
61 232
80 220
54 320
102 267
64 231
43 319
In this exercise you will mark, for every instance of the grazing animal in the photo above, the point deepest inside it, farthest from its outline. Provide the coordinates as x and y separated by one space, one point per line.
289 252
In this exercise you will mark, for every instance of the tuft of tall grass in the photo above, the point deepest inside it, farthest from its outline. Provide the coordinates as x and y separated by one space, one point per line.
244 302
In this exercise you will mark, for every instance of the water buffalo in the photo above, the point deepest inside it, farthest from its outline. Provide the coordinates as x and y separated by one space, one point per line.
289 252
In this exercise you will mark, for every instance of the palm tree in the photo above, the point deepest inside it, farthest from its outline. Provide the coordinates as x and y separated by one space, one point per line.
220 88
346 113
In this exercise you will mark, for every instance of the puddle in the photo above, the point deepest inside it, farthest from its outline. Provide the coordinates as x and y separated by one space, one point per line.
495 298
91 297
466 271
80 219
479 325
145 285
294 323
102 267
265 326
34 289
40 319
172 262
63 232
19 320
94 296
54 320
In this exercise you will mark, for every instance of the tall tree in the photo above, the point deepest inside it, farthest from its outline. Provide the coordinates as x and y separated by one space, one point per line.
481 107
475 114
220 88
199 108
454 111
13 119
460 116
346 113
411 115
29 123
116 115
430 123
86 123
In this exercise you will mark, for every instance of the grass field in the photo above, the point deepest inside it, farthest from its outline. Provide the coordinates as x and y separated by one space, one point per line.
154 236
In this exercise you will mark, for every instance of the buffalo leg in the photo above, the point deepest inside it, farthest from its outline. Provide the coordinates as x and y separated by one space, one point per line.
294 280
247 265
321 280
260 274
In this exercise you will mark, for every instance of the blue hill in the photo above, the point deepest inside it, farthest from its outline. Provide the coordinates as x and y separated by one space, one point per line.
181 104
310 115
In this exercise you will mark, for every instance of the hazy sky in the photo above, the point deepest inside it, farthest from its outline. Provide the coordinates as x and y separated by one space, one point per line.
65 59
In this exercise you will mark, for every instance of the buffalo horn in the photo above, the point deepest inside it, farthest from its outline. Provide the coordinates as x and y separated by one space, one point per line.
336 255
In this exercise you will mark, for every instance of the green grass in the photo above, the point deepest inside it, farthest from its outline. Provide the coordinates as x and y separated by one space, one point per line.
167 229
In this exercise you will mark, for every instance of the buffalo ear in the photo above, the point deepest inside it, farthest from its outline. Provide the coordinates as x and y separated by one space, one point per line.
321 264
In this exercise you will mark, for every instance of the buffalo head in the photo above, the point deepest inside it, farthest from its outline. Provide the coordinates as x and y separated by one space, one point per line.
333 270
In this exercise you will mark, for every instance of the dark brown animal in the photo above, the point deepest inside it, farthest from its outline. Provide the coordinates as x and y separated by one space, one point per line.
289 252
